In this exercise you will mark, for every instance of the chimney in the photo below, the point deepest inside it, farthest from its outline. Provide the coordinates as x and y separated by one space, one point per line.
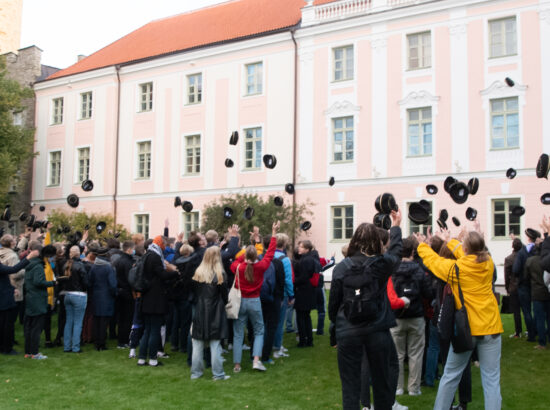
80 57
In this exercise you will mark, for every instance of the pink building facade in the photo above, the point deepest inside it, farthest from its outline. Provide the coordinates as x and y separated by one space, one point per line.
383 95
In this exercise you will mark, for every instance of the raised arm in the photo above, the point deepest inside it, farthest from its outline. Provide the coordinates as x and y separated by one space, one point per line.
439 266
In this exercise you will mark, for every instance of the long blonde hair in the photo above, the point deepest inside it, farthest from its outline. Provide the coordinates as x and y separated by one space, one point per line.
210 266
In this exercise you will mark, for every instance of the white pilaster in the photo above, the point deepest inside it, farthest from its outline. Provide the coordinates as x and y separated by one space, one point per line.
544 15
305 117
379 101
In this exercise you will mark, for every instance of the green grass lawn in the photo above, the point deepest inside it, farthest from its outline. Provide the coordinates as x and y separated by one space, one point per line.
308 379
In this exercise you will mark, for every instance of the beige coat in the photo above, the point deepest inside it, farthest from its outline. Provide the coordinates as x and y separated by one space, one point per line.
9 257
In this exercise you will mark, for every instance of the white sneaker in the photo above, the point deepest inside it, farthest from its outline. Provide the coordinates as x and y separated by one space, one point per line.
246 347
279 354
230 346
284 349
397 406
132 354
222 378
259 366
224 351
399 392
415 393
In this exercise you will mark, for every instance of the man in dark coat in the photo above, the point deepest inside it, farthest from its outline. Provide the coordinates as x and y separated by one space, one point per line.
304 292
124 299
511 285
540 297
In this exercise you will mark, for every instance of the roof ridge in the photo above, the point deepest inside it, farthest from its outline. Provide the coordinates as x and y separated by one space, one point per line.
221 3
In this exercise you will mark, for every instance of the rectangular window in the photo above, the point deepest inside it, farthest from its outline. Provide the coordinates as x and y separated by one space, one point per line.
190 222
192 154
253 148
144 160
86 105
504 223
422 228
18 118
55 168
146 97
504 123
83 164
194 88
142 224
254 78
342 222
419 132
342 139
502 37
419 46
343 63
57 110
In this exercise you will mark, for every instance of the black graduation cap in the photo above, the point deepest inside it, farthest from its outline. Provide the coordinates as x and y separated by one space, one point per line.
509 82
234 138
543 166
459 192
471 214
23 216
331 181
473 185
30 221
187 206
382 221
545 198
443 215
117 234
87 227
305 226
386 203
278 201
511 173
448 182
229 163
431 189
270 161
73 200
36 225
87 185
289 188
442 224
177 202
45 224
456 221
66 229
6 215
426 205
418 214
41 208
518 210
77 236
248 213
100 227
227 212
59 231
532 233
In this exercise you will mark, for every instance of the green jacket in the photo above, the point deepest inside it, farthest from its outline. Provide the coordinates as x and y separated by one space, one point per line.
36 293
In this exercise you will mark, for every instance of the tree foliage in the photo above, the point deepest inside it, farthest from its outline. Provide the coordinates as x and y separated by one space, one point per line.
77 221
265 213
16 142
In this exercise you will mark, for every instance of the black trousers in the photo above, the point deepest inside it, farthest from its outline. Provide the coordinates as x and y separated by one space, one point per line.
21 311
382 359
516 309
303 321
48 324
61 318
32 329
100 331
125 309
270 312
7 323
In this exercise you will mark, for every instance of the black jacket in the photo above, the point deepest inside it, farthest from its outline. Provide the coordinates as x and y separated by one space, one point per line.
382 267
122 265
154 300
182 287
411 281
304 292
519 266
78 281
535 273
210 320
545 253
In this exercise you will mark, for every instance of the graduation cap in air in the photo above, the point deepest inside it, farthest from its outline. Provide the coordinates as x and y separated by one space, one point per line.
545 198
471 214
448 182
234 138
187 206
30 221
442 224
543 166
509 82
443 215
87 185
289 188
305 226
73 200
87 227
386 203
426 205
23 216
278 201
59 231
456 221
45 224
331 181
431 189
382 221
227 212
6 215
473 185
229 163
518 210
66 229
41 208
511 173
459 192
100 227
77 236
270 161
177 202
418 214
248 213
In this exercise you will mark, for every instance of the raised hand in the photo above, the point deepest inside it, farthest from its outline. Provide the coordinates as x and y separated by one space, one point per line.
233 230
396 218
275 227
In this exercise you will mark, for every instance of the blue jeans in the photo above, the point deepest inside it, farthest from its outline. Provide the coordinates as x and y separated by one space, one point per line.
524 293
278 340
75 306
542 319
197 366
149 344
488 350
250 308
432 356
290 326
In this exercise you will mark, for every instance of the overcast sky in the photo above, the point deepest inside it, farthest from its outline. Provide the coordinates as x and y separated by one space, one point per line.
65 28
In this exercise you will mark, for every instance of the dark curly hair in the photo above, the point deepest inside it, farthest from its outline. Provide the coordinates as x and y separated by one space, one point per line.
365 239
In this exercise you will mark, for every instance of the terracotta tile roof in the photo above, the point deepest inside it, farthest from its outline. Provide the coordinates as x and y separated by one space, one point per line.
215 24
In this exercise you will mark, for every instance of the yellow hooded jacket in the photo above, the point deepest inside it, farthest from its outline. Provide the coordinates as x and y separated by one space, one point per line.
476 281
48 270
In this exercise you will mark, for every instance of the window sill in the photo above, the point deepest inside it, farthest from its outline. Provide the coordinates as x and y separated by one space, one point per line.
503 149
341 162
142 179
195 175
500 238
84 119
192 104
418 156
344 80
496 58
56 123
251 170
340 240
53 186
144 111
253 95
418 69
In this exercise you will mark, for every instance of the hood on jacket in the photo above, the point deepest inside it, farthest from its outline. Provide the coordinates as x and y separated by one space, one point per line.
407 268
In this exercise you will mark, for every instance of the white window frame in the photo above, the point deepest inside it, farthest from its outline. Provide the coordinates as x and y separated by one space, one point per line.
77 163
421 35
420 122
185 157
89 106
262 139
198 91
259 79
502 20
136 160
56 117
506 212
332 140
18 118
135 215
49 173
331 224
183 222
140 94
345 51
505 114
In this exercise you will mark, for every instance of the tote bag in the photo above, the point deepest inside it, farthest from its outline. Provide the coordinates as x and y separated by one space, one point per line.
462 336
234 299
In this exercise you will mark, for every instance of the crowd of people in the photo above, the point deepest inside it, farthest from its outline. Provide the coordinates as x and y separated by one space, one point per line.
387 300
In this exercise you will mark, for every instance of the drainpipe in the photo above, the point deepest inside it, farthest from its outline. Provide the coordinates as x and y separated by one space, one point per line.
295 130
117 68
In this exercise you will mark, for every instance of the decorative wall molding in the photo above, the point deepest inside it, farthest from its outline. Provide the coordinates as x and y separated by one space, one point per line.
499 87
544 16
458 29
342 108
418 98
379 43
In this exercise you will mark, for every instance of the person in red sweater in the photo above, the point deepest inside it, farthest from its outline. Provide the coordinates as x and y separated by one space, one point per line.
249 276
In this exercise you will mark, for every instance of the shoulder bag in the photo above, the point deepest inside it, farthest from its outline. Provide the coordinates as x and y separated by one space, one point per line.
234 299
462 337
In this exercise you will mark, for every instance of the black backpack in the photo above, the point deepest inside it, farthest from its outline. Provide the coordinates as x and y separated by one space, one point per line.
406 285
362 302
136 276
279 277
